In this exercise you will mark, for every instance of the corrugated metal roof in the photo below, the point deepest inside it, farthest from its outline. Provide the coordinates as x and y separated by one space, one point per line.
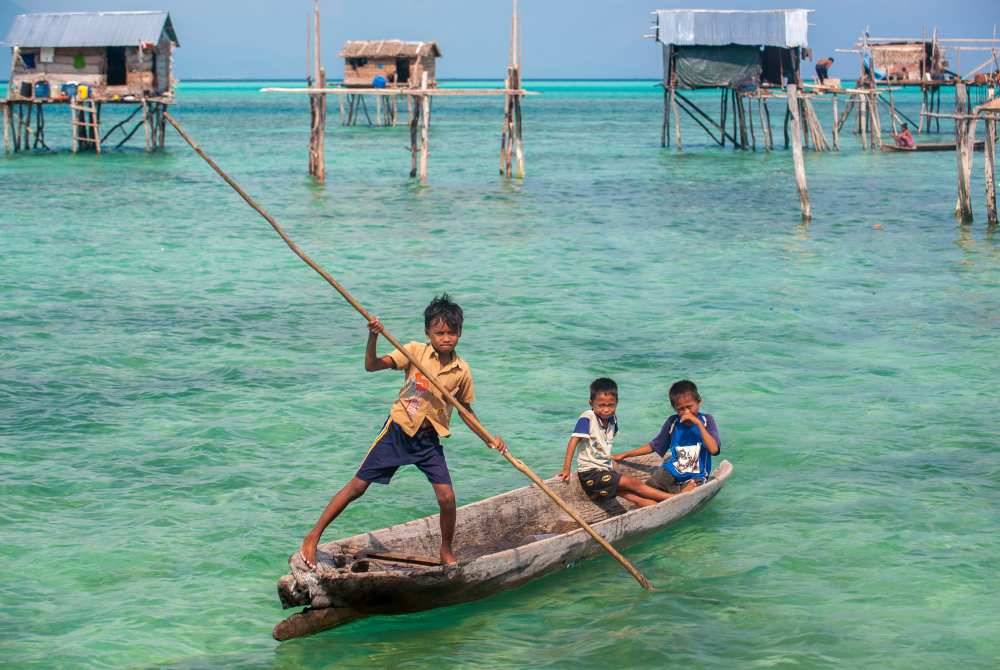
388 49
718 27
89 29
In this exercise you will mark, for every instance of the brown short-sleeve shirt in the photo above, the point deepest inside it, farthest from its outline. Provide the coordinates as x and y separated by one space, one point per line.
418 399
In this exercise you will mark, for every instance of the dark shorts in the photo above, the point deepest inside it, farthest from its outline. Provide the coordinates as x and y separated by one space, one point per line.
393 448
821 72
599 484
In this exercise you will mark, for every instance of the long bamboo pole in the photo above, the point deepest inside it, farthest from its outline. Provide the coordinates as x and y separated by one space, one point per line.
466 415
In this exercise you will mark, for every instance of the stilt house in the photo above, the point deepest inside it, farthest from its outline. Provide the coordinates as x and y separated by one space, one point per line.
388 63
705 48
737 51
116 55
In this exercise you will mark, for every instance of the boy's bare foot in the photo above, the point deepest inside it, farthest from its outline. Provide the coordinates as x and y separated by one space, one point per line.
447 557
308 552
689 485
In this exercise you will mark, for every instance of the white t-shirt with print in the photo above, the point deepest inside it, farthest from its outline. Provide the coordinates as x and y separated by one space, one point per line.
596 441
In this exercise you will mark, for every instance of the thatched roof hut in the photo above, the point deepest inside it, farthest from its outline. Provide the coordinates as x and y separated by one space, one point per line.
389 63
907 61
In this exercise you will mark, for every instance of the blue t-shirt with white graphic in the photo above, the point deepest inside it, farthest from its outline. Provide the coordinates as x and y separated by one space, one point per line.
684 455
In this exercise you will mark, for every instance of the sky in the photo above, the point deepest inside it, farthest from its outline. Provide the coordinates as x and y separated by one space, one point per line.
560 38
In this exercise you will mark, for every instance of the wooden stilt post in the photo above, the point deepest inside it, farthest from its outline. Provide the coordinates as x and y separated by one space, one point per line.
989 169
892 112
800 167
863 119
763 124
788 116
723 110
876 125
505 138
737 129
147 125
8 145
767 126
511 142
965 130
95 117
317 107
937 105
26 128
163 124
677 118
518 138
923 108
413 106
836 126
665 128
741 115
425 116
753 135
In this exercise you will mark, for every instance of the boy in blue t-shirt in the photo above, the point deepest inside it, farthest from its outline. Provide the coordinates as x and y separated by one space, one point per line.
687 441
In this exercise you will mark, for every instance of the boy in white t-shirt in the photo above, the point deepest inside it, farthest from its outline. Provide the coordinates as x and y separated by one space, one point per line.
595 433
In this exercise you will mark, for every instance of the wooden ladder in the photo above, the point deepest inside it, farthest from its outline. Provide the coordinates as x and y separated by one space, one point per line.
86 125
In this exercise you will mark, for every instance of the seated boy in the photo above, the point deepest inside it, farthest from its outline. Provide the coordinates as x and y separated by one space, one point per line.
904 138
687 441
595 430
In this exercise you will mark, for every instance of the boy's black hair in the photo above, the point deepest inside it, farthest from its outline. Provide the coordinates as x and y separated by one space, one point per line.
443 309
683 387
603 385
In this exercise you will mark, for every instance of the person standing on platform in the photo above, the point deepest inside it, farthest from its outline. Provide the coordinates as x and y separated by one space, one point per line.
823 69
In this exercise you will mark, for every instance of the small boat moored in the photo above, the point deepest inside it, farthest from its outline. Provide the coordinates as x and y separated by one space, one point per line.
929 146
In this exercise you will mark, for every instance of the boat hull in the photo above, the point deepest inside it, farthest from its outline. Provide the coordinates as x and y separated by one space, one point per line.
356 585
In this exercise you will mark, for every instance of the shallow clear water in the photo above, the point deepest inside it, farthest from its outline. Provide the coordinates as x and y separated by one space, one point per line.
179 394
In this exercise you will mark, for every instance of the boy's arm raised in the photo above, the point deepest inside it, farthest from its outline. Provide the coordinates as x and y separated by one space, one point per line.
372 361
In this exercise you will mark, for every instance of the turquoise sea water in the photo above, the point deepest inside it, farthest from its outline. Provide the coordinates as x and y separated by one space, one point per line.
180 395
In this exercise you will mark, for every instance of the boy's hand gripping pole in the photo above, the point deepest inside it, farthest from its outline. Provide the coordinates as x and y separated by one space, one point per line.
469 418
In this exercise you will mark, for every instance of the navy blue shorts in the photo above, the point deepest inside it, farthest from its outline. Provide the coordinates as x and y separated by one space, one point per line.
393 448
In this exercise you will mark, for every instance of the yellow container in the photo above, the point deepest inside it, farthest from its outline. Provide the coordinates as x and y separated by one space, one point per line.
82 92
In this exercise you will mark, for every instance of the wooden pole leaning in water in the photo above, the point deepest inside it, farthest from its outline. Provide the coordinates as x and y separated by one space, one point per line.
800 167
466 415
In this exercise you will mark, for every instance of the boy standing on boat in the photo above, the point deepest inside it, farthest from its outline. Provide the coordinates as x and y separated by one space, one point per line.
687 441
595 433
418 419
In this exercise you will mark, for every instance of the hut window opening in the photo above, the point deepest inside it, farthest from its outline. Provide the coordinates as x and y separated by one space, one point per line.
116 66
28 58
357 62
402 70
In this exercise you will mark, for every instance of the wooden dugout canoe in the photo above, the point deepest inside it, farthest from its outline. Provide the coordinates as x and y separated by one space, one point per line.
501 542
930 146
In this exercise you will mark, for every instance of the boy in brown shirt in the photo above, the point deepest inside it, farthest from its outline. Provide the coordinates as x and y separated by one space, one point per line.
418 419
